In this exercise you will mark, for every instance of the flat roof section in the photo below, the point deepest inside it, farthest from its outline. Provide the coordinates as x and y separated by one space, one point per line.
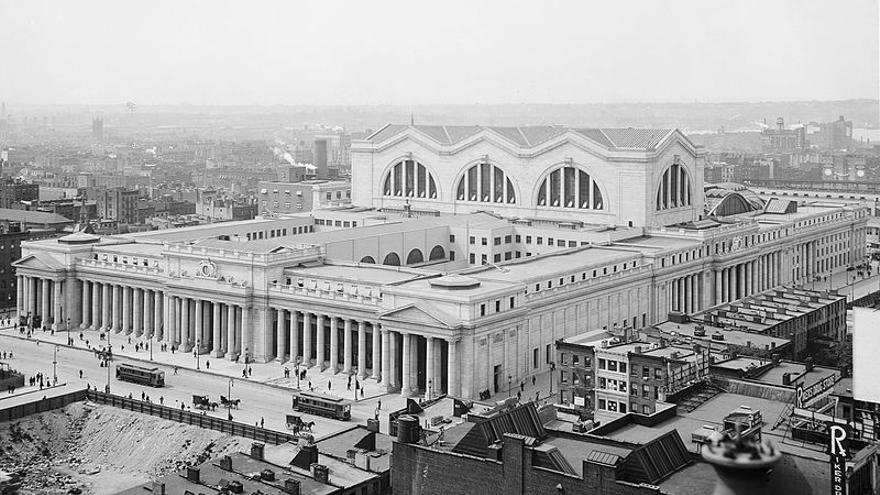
737 337
364 272
660 242
553 264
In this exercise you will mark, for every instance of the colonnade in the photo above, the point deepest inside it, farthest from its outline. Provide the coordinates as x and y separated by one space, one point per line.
685 293
37 296
748 278
401 360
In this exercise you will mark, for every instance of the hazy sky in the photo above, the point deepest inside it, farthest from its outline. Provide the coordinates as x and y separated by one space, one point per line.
415 52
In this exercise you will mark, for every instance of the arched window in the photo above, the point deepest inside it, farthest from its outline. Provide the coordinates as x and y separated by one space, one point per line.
415 256
437 253
368 259
674 190
409 179
485 183
392 259
570 187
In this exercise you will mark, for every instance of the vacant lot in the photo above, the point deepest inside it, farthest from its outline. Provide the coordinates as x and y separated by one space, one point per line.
101 450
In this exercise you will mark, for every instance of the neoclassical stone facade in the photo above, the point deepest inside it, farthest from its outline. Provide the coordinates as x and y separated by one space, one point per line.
429 302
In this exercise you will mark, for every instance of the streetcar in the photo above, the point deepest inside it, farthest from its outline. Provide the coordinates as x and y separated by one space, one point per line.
322 405
153 377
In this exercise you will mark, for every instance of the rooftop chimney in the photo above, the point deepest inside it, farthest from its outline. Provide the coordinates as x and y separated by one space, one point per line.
307 455
292 486
320 473
257 450
192 474
158 488
226 463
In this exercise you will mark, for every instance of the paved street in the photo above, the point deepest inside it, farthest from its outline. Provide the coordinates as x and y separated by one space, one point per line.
259 400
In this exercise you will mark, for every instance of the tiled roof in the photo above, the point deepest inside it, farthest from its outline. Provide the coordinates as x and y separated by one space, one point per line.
530 136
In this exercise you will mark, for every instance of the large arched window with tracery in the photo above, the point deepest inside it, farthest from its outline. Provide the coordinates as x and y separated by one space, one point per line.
570 187
409 179
674 190
485 183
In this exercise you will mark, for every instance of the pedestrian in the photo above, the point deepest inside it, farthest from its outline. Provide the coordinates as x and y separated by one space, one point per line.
80 336
80 374
522 386
362 392
518 396
328 385
250 371
244 373
143 395
175 370
207 364
161 400
379 405
533 380
537 396
262 420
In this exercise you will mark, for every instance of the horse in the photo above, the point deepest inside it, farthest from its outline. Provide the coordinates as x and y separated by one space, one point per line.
307 425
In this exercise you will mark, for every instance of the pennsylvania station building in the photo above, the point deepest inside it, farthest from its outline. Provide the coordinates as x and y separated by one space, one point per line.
467 253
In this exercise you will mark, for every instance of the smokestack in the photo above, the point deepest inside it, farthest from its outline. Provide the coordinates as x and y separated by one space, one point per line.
192 474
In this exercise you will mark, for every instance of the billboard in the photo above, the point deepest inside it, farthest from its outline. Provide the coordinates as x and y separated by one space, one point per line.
866 346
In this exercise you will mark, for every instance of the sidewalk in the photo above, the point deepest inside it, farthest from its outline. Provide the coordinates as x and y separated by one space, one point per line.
271 373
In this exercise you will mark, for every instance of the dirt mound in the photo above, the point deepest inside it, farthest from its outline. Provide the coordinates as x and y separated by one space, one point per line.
102 449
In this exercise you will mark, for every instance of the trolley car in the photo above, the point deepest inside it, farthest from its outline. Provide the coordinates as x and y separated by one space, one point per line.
322 405
153 377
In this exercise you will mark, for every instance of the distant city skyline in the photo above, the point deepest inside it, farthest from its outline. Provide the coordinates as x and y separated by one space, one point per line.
404 53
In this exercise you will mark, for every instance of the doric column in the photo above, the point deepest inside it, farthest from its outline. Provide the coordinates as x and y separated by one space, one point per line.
452 368
137 305
405 385
31 295
346 347
216 340
200 325
97 296
230 332
307 339
186 331
386 358
334 344
168 318
280 350
294 336
245 344
113 323
362 349
377 346
57 306
718 292
86 304
147 313
429 367
45 287
19 296
320 342
126 309
107 307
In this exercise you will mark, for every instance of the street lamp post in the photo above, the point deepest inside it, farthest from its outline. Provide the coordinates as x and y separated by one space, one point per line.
69 340
229 399
197 349
298 358
509 380
55 366
552 369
